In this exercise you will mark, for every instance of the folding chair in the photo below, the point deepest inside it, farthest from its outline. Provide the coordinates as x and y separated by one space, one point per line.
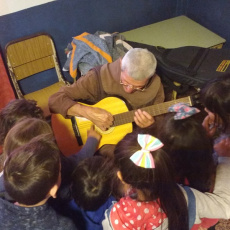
32 56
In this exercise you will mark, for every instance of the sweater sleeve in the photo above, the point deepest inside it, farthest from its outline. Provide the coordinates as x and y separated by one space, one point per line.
85 88
216 204
87 150
106 222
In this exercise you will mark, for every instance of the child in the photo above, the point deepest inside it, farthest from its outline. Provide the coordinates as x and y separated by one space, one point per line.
25 130
154 201
69 164
215 96
13 112
16 110
31 176
91 191
190 150
20 134
28 128
153 193
189 147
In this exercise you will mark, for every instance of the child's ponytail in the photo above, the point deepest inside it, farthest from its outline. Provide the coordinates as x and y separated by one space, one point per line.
169 193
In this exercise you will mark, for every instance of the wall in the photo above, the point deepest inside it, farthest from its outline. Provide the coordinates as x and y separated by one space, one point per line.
10 6
64 19
213 14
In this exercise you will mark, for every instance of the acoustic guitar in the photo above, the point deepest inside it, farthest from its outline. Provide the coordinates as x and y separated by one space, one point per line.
74 131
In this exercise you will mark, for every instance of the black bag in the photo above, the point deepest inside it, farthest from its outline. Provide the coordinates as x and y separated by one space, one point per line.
188 65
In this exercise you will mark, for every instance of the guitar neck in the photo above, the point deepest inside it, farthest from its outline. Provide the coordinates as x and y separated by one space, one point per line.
154 110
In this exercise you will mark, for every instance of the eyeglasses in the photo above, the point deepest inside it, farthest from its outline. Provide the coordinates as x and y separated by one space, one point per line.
141 89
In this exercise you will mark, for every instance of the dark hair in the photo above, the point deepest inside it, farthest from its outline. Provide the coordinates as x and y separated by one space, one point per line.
106 150
25 130
16 110
215 96
92 182
157 183
31 170
190 150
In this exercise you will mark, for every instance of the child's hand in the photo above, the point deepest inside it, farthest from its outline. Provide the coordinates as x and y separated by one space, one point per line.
93 133
209 126
222 148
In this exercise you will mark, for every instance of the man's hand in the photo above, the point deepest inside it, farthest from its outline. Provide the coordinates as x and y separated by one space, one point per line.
100 117
93 133
143 119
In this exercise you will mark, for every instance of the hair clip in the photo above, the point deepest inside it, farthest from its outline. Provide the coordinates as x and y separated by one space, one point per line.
182 111
143 157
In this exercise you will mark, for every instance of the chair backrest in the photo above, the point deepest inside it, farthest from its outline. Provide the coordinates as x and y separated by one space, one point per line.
31 55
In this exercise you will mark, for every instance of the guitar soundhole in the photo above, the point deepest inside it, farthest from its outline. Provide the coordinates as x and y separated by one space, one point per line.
110 130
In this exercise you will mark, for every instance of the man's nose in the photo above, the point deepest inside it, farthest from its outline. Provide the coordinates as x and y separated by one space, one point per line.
128 89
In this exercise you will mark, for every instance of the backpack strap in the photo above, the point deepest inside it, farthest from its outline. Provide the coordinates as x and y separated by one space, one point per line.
191 206
198 59
178 88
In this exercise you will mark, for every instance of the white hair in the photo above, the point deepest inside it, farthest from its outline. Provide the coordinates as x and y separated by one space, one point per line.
140 64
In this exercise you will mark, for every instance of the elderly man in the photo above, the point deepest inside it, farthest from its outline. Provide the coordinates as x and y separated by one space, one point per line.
132 78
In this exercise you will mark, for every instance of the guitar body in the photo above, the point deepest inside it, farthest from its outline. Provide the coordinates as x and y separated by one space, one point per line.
112 135
65 129
65 135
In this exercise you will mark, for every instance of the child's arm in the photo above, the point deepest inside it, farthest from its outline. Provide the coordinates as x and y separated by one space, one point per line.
106 222
216 204
89 147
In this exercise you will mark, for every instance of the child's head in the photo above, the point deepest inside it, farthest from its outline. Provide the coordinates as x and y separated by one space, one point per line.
92 182
25 130
190 150
16 110
144 165
106 150
216 98
149 180
32 171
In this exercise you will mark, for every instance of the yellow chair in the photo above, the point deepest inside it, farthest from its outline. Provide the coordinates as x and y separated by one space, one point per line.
28 56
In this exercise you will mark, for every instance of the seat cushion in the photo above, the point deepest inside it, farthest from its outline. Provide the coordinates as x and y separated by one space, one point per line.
42 96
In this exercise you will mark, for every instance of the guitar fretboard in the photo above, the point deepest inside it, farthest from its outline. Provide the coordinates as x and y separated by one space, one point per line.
154 110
